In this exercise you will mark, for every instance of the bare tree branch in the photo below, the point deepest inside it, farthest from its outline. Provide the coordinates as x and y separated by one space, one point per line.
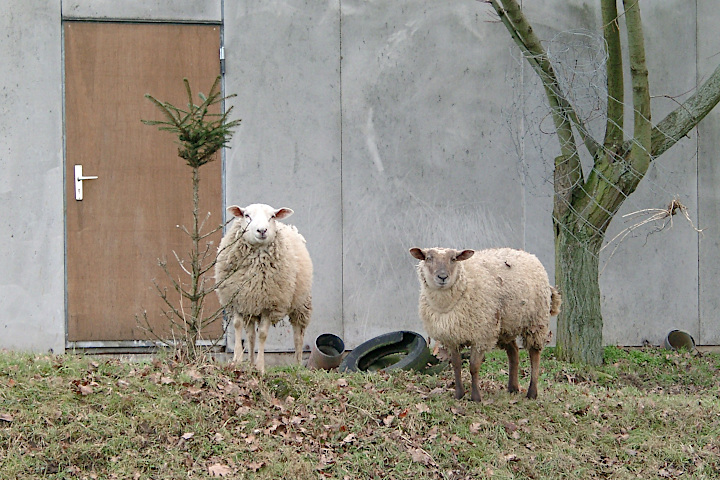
614 69
680 121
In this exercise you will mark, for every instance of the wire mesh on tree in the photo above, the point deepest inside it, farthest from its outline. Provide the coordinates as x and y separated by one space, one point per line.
579 61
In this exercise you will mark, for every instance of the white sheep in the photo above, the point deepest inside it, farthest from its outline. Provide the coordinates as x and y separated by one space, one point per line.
264 273
483 299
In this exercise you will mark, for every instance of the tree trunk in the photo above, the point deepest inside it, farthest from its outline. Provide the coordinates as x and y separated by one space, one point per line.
579 326
196 295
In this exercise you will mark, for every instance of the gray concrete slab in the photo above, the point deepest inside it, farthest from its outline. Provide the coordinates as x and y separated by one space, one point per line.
283 62
424 147
152 10
32 303
708 178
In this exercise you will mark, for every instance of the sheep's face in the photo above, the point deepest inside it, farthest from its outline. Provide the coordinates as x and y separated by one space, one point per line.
439 266
258 222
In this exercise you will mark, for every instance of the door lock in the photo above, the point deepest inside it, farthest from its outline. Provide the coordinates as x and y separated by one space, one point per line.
79 181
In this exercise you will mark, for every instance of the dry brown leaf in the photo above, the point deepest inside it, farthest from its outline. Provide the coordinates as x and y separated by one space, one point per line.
422 408
243 410
85 389
188 435
349 438
458 410
419 455
6 417
255 466
341 382
278 404
195 376
219 470
388 420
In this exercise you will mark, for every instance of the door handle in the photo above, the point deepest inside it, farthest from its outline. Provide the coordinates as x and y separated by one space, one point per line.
79 181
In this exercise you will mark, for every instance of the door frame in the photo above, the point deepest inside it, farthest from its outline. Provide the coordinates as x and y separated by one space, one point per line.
128 346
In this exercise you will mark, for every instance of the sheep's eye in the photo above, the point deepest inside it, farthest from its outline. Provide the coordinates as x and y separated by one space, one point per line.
247 217
454 259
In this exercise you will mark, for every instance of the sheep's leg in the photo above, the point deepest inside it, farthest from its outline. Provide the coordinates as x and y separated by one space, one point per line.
456 361
239 353
250 336
262 337
534 372
299 320
514 362
299 337
476 359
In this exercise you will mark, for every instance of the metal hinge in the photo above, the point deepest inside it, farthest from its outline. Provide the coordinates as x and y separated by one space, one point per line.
222 60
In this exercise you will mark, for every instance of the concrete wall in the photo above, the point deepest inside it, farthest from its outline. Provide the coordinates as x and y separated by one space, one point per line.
384 124
424 159
32 286
147 10
708 179
283 62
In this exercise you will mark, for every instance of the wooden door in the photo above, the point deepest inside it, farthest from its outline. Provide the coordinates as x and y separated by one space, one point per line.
129 215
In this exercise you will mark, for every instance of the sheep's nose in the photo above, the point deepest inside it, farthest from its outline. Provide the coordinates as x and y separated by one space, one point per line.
442 277
262 231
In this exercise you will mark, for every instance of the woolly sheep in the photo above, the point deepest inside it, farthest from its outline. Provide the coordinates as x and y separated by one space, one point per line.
483 299
264 273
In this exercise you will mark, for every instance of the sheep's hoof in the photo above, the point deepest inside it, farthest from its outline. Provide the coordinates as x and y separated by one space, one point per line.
513 389
459 394
475 397
532 393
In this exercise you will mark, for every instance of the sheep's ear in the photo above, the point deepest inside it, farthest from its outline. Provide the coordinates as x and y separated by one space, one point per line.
417 253
464 255
235 210
281 213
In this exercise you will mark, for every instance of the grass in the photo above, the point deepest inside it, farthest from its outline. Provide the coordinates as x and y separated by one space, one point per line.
646 413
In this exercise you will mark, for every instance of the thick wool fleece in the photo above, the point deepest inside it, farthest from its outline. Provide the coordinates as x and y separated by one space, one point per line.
499 294
275 279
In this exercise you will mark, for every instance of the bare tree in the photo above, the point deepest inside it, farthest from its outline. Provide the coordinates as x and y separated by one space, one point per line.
585 204
201 133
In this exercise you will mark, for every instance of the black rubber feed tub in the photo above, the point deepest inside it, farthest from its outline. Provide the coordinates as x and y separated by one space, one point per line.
401 350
